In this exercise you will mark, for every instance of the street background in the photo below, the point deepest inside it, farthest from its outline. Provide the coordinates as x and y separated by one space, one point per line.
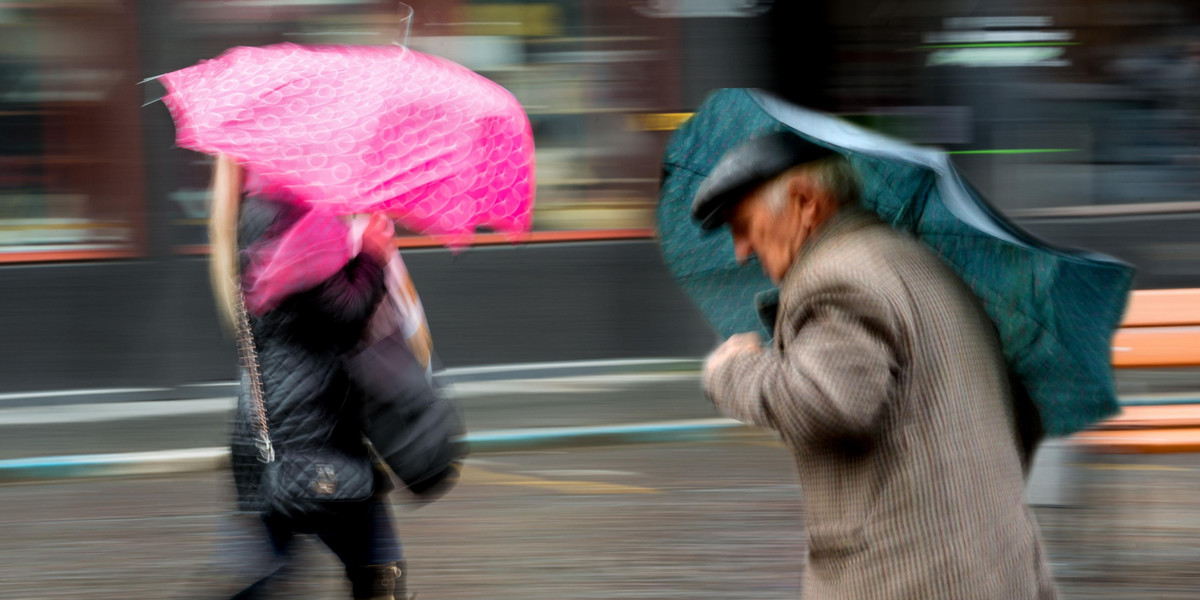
1077 119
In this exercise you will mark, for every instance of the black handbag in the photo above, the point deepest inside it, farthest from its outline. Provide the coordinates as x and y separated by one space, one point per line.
307 483
301 482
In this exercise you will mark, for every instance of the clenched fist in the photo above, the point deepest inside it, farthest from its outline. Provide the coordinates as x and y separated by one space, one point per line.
735 345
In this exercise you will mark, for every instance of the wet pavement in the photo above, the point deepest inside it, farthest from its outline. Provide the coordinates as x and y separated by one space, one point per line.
704 520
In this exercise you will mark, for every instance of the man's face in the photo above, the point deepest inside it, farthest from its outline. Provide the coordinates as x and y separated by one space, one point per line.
773 236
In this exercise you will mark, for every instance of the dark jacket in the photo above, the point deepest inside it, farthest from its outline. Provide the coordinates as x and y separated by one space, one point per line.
309 398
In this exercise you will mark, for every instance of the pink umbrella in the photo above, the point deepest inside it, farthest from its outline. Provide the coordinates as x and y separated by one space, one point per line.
353 129
356 129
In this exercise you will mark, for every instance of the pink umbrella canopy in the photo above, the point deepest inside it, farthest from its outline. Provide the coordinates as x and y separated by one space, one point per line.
355 129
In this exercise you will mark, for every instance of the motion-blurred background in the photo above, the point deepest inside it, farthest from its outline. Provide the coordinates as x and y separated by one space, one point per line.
1078 119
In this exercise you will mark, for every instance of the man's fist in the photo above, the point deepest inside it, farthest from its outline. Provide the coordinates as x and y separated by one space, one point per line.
738 344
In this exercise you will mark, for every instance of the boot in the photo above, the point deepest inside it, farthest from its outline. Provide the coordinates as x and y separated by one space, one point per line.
382 582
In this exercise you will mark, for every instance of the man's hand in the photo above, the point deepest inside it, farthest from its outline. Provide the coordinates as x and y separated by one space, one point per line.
741 343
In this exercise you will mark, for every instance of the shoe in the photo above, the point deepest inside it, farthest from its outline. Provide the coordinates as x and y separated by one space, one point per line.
382 582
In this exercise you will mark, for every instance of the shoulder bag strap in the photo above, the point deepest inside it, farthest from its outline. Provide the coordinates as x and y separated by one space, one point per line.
249 359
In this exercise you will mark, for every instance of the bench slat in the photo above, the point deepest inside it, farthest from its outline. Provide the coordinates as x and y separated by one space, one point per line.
1160 308
1185 416
1157 347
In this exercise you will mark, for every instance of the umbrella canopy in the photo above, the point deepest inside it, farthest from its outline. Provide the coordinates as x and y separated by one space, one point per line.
353 129
1055 310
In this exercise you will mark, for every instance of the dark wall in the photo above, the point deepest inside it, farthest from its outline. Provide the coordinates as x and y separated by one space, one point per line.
551 303
120 324
1164 248
152 324
723 52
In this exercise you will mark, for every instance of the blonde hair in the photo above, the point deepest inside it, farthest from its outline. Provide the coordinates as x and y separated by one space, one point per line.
222 238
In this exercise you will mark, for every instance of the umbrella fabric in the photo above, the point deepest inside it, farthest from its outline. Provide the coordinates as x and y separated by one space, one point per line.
312 250
353 129
1055 310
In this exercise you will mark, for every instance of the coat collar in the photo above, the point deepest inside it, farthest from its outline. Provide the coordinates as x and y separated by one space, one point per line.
844 221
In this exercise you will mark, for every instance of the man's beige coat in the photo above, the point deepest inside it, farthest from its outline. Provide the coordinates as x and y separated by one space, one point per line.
886 381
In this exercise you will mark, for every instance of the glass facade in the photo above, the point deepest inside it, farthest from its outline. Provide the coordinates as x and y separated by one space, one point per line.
69 130
1074 105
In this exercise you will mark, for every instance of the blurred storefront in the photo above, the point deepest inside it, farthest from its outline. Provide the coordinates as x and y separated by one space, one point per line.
74 177
1081 108
1077 118
70 177
1049 106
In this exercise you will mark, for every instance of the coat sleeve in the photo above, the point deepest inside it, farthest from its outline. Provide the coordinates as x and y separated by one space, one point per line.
834 377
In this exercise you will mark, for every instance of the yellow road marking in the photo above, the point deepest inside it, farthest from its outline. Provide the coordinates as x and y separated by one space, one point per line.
657 121
480 476
772 444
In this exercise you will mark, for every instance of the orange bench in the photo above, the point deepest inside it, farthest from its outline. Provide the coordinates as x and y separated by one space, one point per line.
1161 329
1145 430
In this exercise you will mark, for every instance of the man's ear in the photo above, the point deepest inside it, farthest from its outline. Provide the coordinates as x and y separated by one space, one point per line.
800 192
797 190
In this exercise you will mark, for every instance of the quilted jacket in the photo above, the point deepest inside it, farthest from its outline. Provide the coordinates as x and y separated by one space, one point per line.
309 399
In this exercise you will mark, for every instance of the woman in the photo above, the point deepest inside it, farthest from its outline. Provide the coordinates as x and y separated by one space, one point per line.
309 399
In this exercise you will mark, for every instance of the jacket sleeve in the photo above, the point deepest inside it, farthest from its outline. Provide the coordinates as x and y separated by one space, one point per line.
416 430
834 378
351 294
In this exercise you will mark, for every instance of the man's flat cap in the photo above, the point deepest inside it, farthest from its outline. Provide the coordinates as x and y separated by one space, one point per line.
746 167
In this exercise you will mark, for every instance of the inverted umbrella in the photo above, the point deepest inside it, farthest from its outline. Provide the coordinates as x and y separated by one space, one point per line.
357 129
1055 310
354 129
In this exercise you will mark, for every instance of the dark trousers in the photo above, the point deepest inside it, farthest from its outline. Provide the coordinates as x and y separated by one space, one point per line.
361 534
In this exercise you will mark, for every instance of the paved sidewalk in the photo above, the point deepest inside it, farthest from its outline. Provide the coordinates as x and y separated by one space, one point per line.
651 522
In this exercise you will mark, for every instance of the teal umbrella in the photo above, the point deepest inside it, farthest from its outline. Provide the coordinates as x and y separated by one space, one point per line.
1055 310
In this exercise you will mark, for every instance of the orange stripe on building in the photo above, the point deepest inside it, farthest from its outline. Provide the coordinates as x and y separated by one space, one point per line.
536 237
65 256
1139 441
493 239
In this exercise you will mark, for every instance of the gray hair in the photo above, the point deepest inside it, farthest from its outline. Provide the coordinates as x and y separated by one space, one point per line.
834 174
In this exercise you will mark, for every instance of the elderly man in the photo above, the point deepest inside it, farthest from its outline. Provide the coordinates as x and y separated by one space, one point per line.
885 379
